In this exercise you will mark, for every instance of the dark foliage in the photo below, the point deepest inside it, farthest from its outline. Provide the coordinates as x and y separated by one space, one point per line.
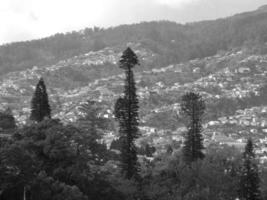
146 150
93 126
126 112
193 108
249 178
54 160
40 108
128 59
7 120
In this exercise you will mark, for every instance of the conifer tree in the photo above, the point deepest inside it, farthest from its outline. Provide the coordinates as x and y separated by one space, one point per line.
249 179
126 112
40 108
193 107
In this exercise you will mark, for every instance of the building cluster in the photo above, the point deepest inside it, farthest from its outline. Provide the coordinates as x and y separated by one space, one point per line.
225 75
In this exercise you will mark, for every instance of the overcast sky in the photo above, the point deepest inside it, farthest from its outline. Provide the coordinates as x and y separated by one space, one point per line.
31 19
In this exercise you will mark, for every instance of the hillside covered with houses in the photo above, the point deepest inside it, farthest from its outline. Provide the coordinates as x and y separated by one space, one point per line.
147 111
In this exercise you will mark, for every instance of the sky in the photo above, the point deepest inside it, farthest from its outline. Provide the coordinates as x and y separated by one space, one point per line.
32 19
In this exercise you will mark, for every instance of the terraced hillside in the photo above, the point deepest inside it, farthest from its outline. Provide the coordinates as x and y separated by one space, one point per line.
230 75
231 82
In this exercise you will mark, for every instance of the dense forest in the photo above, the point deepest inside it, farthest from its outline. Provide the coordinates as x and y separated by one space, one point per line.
173 42
47 159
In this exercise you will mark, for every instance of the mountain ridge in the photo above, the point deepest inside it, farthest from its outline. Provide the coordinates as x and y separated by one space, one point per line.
263 8
174 42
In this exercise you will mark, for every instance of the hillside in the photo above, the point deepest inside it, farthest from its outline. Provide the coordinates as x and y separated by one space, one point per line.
225 60
263 8
233 84
173 42
191 118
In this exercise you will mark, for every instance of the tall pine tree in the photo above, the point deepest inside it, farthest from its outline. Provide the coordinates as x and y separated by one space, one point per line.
126 112
249 179
193 108
40 108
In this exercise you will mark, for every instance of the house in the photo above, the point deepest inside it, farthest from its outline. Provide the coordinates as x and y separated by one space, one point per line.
254 123
244 122
254 131
243 70
264 149
264 110
196 70
233 121
213 123
263 159
224 140
223 120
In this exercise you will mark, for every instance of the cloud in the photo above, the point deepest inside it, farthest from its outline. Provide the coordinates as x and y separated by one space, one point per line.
176 3
33 16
